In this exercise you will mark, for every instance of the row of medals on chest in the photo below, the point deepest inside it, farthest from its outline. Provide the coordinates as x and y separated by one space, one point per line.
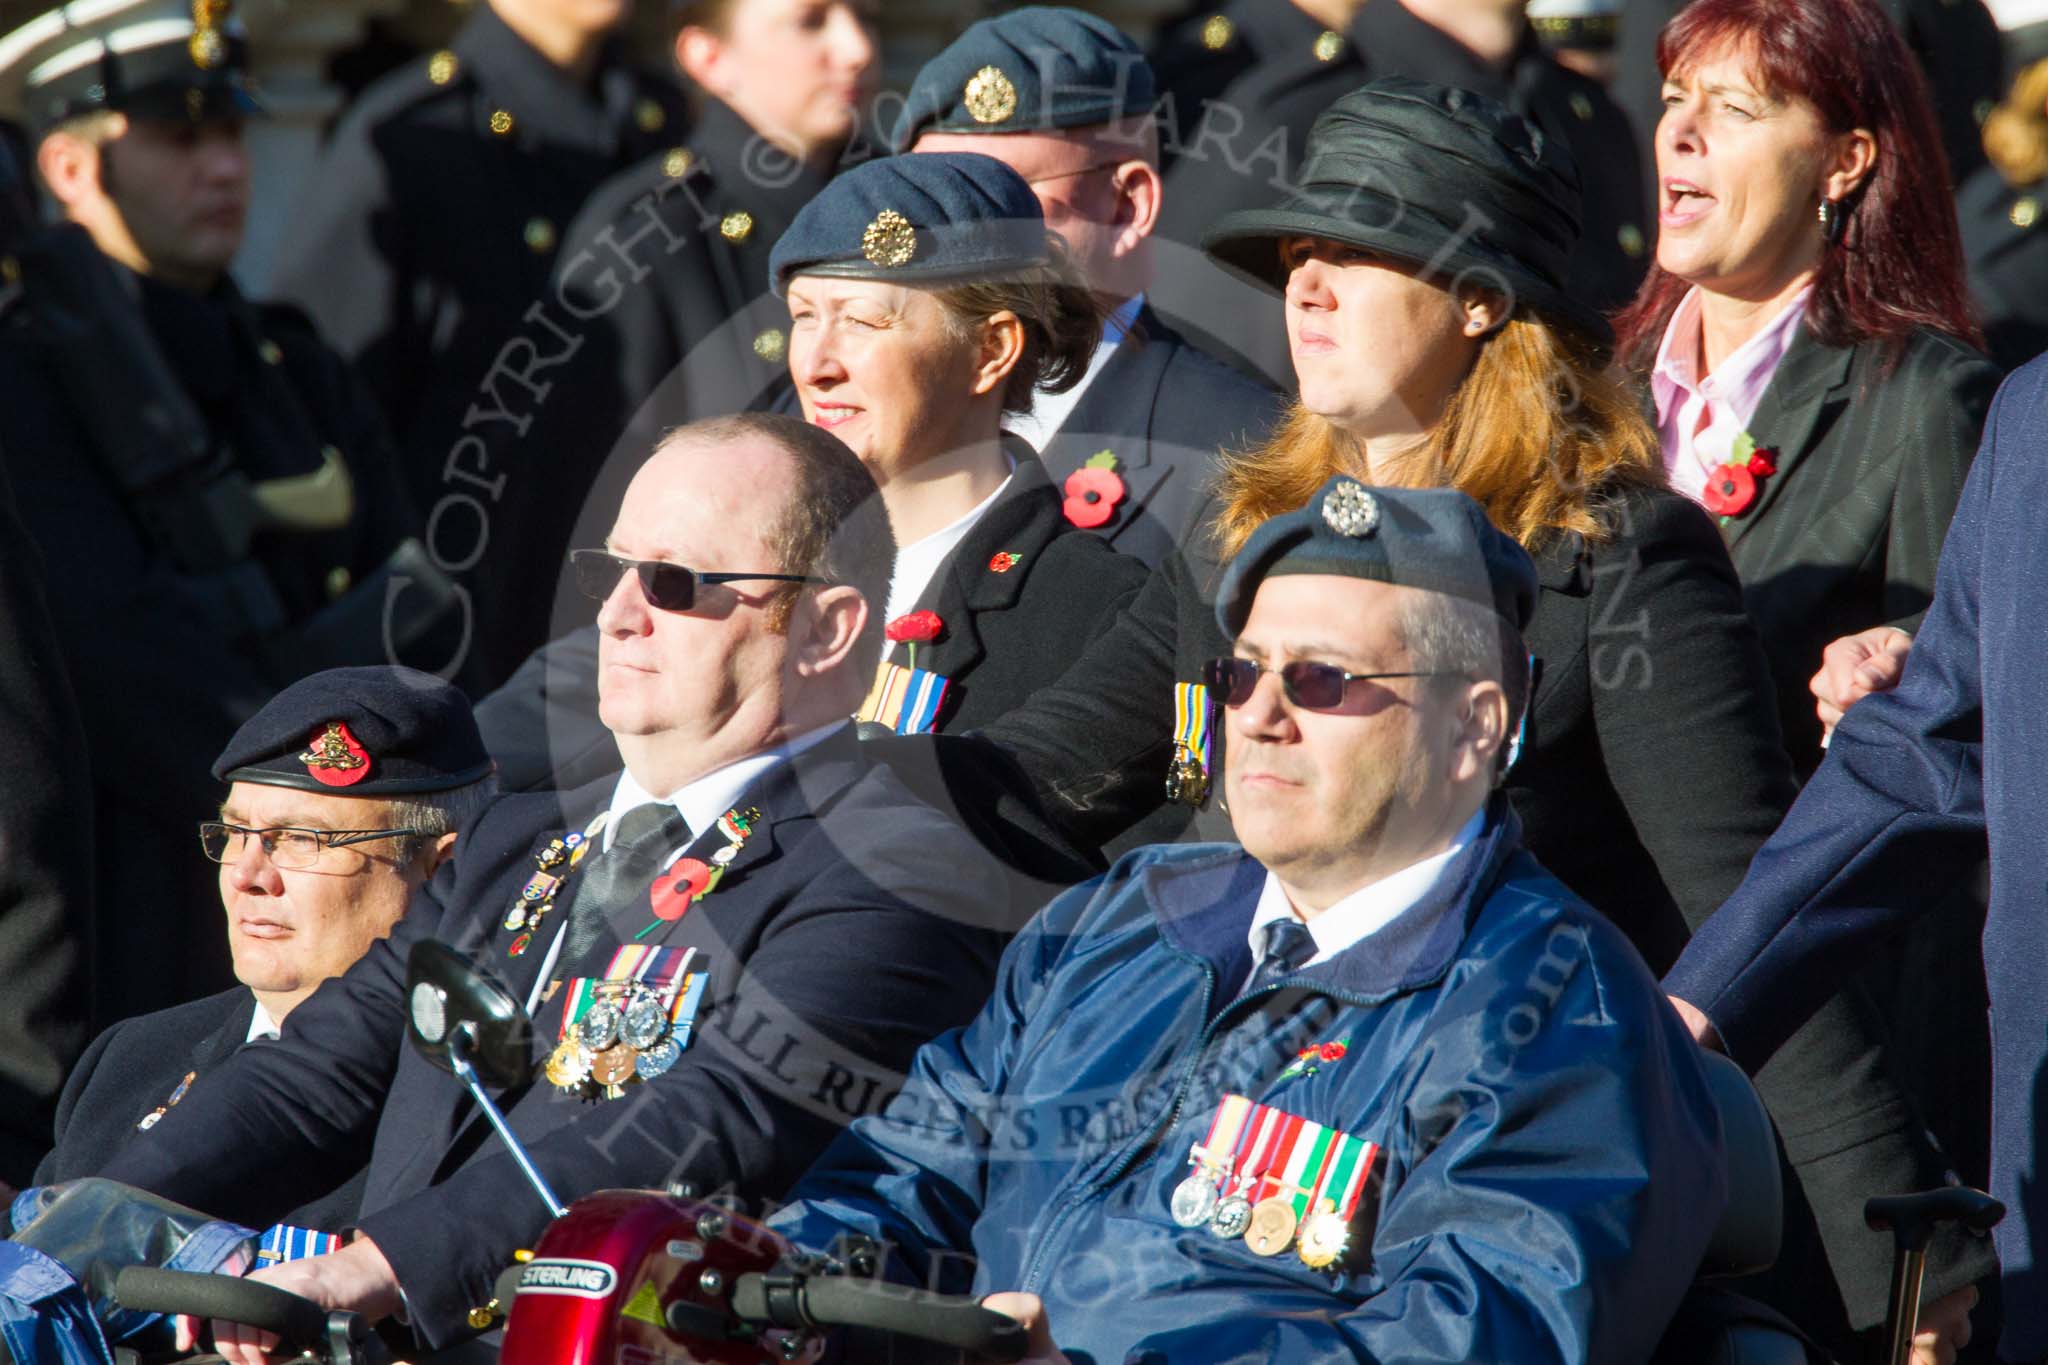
625 1035
1269 1226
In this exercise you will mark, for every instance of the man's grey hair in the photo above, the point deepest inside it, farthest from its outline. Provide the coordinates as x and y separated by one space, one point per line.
1446 634
437 813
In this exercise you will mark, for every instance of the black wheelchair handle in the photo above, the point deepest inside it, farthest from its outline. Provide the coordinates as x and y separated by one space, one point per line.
799 1301
1912 1219
300 1323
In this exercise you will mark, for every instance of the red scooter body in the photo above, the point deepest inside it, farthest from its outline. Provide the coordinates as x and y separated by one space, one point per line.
601 1283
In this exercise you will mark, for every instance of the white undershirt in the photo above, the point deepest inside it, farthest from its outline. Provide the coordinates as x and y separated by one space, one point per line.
918 563
1050 411
1367 910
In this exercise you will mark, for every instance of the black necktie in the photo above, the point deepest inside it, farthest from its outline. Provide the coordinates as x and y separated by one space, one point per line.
620 874
1289 946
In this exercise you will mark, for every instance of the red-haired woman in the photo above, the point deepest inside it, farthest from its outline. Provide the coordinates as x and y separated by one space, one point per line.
1806 337
1806 332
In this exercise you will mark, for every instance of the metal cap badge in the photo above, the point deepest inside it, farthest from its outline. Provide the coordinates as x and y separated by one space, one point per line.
336 758
1351 511
990 97
890 240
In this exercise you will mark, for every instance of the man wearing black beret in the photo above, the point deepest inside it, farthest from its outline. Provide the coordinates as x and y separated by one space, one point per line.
1066 100
345 794
1372 1086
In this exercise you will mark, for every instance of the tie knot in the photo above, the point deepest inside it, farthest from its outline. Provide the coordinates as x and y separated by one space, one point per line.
1289 946
653 823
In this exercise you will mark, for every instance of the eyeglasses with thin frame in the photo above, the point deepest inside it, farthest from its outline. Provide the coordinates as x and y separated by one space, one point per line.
1085 170
671 587
289 846
1311 686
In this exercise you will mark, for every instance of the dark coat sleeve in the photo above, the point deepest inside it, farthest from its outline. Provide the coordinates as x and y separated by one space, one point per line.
1682 702
58 1163
45 859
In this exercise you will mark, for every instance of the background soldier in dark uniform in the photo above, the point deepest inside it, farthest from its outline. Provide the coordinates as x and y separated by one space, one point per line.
213 492
2001 206
667 264
433 221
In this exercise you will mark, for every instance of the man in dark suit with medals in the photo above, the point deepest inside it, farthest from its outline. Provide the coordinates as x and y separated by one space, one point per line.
345 794
742 939
1067 102
211 487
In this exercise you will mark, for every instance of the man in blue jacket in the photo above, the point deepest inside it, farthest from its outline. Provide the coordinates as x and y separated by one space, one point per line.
1914 781
1373 1085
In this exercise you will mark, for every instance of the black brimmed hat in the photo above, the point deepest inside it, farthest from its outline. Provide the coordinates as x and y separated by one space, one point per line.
378 732
1439 178
156 59
925 218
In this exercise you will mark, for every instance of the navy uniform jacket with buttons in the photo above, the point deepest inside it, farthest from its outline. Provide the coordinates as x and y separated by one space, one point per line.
2005 241
1165 409
133 1070
657 314
1551 1161
166 663
1008 633
423 246
851 928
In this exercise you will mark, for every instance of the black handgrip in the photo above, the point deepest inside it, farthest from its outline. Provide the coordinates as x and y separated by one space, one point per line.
300 1323
1912 1218
796 1301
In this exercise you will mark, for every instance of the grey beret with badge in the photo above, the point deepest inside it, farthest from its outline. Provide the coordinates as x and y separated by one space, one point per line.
1435 539
929 218
1036 69
155 59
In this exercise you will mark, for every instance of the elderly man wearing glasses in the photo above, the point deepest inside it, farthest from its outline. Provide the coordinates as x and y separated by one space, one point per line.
344 796
1372 1085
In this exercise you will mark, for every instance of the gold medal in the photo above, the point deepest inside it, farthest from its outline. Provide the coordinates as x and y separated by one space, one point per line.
613 1066
1186 783
1325 1237
1272 1226
568 1067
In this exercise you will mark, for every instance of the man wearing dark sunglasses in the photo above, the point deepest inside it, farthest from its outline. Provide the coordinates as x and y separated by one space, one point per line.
831 922
344 796
1373 1086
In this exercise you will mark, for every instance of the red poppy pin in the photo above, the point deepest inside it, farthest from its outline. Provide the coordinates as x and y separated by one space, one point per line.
1311 1058
674 890
1732 489
335 758
1093 492
916 628
1002 562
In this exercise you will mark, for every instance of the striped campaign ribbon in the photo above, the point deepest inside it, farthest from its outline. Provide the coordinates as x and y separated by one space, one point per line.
1191 721
286 1243
907 700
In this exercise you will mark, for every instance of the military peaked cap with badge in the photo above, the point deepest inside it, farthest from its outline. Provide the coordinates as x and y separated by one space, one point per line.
1435 539
1403 168
1031 70
920 219
377 732
155 59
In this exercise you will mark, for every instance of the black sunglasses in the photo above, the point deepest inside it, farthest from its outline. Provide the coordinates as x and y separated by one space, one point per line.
670 587
1311 686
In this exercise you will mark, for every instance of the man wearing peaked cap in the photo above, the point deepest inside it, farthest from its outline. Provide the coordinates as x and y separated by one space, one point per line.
344 795
202 473
1326 1001
1067 101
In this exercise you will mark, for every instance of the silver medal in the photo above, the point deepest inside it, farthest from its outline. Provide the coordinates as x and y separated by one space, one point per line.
599 1028
644 1023
657 1059
1232 1217
1195 1200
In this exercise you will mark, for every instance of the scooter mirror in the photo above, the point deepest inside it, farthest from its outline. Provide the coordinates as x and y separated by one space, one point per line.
454 1004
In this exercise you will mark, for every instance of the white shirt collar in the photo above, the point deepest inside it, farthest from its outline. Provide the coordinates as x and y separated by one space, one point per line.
1369 909
261 1025
1050 411
701 802
920 561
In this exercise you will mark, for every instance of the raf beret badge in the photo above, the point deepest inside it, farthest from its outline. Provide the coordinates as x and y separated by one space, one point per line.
890 241
990 96
1351 511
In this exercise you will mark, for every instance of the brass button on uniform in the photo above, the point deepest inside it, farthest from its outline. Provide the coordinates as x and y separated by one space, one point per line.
1631 238
10 270
1217 32
772 346
737 226
1582 106
339 581
1329 46
501 121
678 162
540 235
442 66
272 353
651 117
2024 211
